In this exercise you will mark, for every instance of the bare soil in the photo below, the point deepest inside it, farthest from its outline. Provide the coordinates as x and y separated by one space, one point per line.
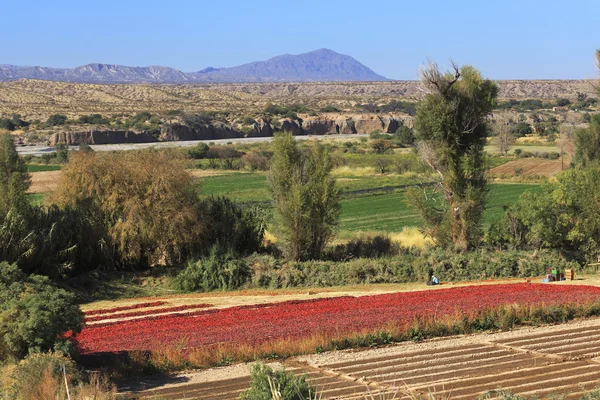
44 182
533 361
529 167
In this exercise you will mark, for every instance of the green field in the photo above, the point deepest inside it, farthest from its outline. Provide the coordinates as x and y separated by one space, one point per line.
244 187
42 167
385 212
36 199
390 212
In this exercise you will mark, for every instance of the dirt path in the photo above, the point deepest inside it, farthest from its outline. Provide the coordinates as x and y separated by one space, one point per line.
538 362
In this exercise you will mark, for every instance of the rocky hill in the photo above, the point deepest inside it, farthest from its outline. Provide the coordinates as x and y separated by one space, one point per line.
320 65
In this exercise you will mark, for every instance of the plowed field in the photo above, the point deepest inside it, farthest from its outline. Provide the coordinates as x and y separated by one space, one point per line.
542 362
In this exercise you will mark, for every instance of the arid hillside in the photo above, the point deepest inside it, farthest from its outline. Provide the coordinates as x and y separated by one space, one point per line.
38 99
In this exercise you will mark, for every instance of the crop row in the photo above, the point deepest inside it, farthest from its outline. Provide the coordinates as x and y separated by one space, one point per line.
155 311
255 325
125 308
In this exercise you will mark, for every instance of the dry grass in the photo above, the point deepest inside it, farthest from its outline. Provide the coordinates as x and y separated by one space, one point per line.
44 182
38 99
529 167
412 237
348 171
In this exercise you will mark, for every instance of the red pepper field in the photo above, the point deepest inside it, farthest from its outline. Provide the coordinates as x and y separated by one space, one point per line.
260 324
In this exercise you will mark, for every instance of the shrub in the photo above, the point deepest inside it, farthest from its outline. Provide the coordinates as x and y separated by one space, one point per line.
34 313
380 146
218 271
256 161
231 226
404 136
368 247
406 266
522 129
330 109
93 119
43 375
199 151
268 384
56 119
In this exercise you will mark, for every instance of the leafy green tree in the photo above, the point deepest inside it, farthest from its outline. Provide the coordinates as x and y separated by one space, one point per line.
14 178
563 216
404 136
522 129
62 152
231 226
307 205
451 130
34 314
587 143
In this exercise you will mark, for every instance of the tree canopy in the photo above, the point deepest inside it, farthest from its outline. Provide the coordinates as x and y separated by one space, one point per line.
451 128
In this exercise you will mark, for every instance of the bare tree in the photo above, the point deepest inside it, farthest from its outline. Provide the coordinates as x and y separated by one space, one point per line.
505 136
566 143
382 165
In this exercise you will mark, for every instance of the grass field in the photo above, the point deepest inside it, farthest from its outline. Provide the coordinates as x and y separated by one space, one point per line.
390 212
244 187
36 199
42 168
381 212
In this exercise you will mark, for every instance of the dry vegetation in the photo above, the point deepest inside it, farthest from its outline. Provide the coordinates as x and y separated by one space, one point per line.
38 99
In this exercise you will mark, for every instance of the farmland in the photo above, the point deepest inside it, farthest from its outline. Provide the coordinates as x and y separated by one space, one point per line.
295 327
334 317
547 362
380 211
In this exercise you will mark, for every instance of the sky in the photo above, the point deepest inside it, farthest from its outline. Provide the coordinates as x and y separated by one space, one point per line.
510 39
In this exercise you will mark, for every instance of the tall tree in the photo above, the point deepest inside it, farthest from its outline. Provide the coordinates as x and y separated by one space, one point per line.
451 128
14 178
307 206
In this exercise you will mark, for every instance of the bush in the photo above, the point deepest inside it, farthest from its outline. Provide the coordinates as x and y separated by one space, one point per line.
56 119
256 161
218 271
93 119
34 314
231 226
562 216
53 241
404 136
406 266
268 385
40 376
199 151
369 247
330 109
43 375
522 129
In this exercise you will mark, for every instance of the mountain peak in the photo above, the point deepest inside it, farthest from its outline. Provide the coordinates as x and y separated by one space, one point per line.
317 65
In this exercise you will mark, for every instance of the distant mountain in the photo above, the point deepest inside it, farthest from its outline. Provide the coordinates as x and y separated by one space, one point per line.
321 65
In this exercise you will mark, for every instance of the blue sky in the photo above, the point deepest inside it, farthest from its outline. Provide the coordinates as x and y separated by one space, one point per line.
511 39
